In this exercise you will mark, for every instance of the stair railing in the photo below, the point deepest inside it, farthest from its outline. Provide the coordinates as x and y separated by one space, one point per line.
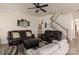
53 20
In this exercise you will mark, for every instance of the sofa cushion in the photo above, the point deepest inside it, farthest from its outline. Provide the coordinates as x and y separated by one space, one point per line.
28 34
46 50
16 35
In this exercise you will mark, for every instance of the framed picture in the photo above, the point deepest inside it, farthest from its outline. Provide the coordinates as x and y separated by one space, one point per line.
23 23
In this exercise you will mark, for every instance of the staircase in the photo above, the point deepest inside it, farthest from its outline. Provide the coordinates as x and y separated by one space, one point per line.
53 21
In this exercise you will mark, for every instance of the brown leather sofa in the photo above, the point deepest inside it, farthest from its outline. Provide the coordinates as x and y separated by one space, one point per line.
24 37
51 35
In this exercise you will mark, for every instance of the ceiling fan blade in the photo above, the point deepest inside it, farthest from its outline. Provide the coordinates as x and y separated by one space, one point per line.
44 5
37 11
32 8
35 4
43 10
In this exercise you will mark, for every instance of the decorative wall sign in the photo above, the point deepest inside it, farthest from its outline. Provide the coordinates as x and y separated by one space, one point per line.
45 25
18 22
28 23
23 23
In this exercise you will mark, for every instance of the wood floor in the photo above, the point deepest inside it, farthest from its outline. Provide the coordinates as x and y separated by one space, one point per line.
74 46
73 50
3 48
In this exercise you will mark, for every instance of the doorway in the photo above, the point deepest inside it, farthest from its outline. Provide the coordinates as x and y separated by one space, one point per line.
76 29
74 45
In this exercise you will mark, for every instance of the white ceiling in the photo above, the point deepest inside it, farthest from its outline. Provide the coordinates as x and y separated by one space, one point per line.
63 8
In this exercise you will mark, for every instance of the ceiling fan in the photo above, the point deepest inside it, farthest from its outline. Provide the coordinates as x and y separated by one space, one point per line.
39 7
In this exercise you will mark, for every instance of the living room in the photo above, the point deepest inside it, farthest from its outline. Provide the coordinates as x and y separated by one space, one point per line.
12 15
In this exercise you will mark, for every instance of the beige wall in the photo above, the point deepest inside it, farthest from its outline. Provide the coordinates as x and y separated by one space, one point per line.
8 21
